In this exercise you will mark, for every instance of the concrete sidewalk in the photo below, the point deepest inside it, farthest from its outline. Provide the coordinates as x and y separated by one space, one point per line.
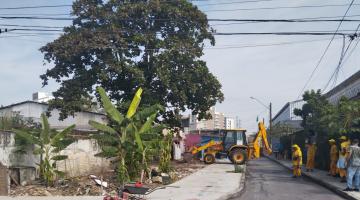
321 177
214 182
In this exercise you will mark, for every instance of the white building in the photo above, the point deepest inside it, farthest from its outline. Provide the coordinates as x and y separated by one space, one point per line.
229 123
286 115
216 122
42 97
349 88
81 160
32 110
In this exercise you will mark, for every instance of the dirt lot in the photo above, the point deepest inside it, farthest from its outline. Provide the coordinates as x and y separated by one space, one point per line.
84 185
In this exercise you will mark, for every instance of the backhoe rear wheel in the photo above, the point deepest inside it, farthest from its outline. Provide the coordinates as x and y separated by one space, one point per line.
209 159
238 156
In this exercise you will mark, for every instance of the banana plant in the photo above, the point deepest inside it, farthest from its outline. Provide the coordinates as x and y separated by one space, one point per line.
48 144
122 138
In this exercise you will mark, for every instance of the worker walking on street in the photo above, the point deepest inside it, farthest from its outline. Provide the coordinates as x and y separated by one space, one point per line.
341 164
296 160
353 164
333 157
310 161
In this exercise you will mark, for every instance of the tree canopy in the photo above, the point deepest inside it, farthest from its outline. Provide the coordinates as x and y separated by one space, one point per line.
327 119
122 45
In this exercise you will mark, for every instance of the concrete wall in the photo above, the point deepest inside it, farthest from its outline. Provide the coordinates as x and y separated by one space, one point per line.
82 160
10 159
81 154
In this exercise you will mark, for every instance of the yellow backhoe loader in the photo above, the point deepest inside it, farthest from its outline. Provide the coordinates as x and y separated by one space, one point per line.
233 146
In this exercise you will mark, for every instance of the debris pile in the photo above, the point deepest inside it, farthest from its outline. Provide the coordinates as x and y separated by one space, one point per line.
94 185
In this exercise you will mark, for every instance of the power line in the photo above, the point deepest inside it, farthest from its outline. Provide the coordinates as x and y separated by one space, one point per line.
284 20
283 33
30 26
235 2
37 14
34 7
352 51
39 18
279 7
308 18
343 54
316 33
206 47
34 29
325 51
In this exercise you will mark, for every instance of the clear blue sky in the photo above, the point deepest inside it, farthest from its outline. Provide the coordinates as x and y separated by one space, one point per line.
270 73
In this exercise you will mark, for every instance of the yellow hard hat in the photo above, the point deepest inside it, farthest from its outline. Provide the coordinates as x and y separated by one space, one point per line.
331 140
343 137
295 146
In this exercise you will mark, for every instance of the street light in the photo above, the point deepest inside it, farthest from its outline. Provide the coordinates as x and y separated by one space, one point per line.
267 107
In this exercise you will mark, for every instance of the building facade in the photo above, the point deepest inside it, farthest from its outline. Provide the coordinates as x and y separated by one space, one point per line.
217 121
32 110
349 88
287 117
230 123
81 153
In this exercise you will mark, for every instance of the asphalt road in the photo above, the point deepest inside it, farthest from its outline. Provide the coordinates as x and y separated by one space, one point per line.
268 180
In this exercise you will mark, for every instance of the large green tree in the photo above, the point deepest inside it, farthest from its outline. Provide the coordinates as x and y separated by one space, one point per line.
121 45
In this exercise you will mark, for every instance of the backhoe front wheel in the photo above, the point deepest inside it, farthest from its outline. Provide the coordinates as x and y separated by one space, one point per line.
238 156
209 159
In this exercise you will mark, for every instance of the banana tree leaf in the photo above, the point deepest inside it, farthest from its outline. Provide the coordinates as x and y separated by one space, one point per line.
144 113
102 127
59 173
105 139
148 124
59 157
61 135
110 109
134 104
138 140
61 144
45 132
24 135
38 151
108 152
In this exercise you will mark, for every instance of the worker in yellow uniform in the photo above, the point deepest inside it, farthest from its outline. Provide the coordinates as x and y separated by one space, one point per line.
341 164
310 161
296 160
333 157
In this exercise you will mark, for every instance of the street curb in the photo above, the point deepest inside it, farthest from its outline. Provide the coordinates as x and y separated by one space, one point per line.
239 190
318 181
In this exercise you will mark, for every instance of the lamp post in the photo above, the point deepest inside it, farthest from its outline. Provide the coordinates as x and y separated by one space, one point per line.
267 107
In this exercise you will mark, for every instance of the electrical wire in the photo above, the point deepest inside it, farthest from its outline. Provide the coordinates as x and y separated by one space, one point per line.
30 26
337 69
279 7
325 51
33 7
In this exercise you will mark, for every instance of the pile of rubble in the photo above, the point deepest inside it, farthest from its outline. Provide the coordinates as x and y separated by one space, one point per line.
77 186
93 185
180 171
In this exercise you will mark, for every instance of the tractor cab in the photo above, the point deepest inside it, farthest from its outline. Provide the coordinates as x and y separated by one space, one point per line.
232 138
